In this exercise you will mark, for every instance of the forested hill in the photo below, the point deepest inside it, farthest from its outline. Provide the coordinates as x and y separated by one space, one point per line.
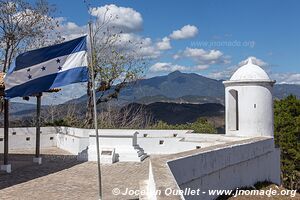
181 87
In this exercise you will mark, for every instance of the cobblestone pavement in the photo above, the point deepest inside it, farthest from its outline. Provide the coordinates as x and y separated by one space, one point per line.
61 177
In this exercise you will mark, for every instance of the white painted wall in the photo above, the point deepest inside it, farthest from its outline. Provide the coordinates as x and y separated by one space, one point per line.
28 131
153 133
77 140
71 143
228 168
255 109
150 140
169 146
24 138
79 132
175 141
123 141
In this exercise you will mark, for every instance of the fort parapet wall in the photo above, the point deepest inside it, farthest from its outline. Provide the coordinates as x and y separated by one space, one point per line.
220 167
181 159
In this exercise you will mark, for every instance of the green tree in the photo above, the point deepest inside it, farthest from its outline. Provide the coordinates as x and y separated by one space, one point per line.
287 137
201 125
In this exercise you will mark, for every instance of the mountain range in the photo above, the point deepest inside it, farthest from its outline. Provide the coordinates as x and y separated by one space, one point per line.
176 87
174 98
181 87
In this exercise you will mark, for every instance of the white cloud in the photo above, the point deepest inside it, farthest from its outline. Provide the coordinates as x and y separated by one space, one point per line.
223 74
176 56
169 67
126 19
288 78
166 67
188 31
143 46
256 61
226 73
200 67
281 78
71 26
70 30
164 44
148 50
203 57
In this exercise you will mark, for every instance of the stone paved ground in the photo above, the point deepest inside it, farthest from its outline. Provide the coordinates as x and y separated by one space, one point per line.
61 176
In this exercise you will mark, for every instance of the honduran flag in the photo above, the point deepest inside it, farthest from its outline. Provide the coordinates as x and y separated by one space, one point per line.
46 68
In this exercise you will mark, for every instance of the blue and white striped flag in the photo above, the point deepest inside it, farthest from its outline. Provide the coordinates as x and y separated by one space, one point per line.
46 68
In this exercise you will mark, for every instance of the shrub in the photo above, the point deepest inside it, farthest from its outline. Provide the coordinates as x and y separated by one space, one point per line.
201 125
287 137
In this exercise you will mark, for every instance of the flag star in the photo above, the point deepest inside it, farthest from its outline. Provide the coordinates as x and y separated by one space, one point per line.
58 60
59 68
43 68
29 76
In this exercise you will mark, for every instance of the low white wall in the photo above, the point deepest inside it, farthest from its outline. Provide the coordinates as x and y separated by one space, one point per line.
165 142
23 138
124 143
28 131
73 140
151 133
76 140
78 132
228 168
165 145
72 144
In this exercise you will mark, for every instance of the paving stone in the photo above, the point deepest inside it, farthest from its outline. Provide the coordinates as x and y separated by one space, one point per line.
61 176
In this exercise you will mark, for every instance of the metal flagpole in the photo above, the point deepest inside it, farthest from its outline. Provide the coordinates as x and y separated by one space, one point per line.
38 125
6 129
95 112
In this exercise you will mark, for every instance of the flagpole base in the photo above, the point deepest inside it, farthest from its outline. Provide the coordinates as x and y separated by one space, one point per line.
37 160
6 168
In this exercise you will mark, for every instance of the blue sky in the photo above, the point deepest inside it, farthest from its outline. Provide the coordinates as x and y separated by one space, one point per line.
268 29
207 37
